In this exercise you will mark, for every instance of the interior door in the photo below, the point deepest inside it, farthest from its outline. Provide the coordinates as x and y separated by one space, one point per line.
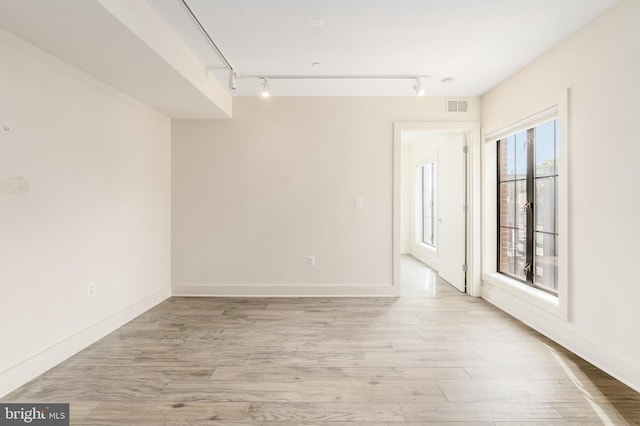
451 221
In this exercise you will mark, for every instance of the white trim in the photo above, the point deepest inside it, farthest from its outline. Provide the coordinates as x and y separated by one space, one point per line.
551 107
275 290
526 293
27 370
474 177
396 217
535 109
531 121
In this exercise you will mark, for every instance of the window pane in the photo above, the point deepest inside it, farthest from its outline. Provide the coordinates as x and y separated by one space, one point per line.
428 232
557 133
507 158
545 149
520 154
520 201
508 204
521 252
545 205
507 253
556 203
546 261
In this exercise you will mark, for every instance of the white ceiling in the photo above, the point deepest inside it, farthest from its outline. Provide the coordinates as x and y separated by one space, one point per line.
153 51
477 42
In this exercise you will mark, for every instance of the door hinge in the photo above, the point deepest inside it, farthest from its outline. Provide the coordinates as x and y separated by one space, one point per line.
465 149
465 268
465 208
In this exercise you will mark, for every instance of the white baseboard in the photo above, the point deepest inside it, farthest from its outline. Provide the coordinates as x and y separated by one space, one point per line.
31 368
564 333
232 290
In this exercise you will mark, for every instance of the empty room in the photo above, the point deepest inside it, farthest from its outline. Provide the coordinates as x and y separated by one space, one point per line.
319 212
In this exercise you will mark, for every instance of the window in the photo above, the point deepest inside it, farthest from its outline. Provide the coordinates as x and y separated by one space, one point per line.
513 235
528 180
428 203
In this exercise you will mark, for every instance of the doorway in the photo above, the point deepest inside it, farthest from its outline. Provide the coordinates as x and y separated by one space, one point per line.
437 228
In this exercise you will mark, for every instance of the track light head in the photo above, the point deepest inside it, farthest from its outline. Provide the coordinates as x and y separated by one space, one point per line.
232 80
420 91
266 90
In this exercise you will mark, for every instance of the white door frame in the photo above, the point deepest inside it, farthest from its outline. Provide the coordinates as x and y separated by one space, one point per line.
472 130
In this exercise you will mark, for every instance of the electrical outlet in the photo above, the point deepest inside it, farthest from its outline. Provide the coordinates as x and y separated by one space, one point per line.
91 289
311 261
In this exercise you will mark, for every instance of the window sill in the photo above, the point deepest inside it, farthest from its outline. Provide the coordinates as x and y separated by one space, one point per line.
530 295
426 246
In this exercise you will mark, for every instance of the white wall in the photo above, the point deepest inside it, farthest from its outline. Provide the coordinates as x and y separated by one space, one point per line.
600 65
94 207
252 197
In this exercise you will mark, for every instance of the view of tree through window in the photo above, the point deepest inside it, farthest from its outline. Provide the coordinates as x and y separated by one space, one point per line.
528 198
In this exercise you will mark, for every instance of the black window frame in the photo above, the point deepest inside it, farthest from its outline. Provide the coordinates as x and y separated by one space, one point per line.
530 208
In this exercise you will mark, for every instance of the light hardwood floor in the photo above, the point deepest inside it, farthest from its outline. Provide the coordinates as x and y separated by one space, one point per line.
432 356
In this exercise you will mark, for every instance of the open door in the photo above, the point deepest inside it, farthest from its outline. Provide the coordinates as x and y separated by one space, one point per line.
452 212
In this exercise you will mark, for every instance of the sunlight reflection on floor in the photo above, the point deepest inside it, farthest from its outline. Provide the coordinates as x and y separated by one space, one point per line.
591 399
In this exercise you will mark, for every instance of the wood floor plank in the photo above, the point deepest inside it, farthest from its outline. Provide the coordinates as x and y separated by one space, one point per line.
484 411
163 411
605 412
522 390
325 412
564 423
336 375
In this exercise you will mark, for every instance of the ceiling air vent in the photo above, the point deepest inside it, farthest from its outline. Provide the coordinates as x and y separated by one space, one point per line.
457 105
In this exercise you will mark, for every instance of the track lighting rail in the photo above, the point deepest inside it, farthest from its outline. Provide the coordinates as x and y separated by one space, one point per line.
234 75
208 37
334 77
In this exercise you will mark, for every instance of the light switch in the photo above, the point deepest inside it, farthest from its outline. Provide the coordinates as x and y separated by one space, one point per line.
359 202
